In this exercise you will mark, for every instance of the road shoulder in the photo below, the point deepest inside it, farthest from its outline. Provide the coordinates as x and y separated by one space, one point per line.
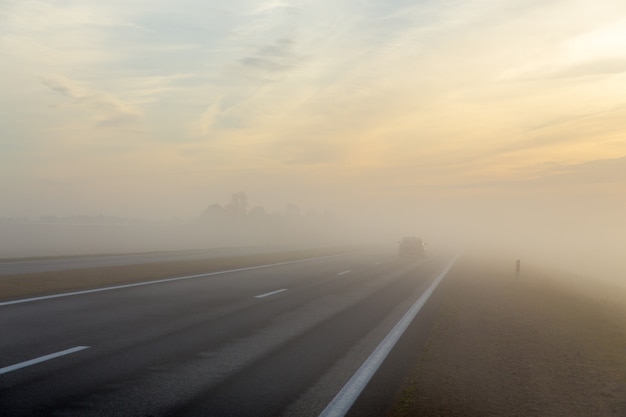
54 282
535 345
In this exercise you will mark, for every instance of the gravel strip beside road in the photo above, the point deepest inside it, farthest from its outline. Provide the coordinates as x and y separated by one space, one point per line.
44 283
537 345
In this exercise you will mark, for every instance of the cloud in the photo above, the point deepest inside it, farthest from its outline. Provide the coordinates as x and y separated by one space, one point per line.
117 120
209 118
264 64
567 138
610 171
598 118
64 87
109 110
271 6
592 68
307 151
567 70
594 183
270 61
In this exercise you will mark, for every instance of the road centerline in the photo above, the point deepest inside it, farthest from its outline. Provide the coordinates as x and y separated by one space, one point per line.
40 359
267 294
344 272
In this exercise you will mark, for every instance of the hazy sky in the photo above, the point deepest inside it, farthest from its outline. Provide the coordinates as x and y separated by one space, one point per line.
160 108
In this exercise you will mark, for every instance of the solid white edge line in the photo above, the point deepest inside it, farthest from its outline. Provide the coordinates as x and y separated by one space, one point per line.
40 359
343 273
138 284
342 402
267 294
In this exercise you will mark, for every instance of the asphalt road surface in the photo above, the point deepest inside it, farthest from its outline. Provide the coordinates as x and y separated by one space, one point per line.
272 341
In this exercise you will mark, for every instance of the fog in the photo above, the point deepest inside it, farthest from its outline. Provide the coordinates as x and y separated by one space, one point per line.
476 125
580 238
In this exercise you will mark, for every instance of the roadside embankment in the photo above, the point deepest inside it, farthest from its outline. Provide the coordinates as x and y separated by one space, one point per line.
539 344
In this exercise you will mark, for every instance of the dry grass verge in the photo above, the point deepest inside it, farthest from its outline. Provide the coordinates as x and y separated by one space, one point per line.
43 283
538 345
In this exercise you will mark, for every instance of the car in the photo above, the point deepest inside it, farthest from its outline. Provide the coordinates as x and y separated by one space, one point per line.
412 247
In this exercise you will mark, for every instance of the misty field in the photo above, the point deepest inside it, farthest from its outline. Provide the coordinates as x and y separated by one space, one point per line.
541 344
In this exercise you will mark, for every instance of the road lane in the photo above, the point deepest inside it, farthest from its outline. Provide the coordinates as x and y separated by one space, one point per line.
182 348
343 401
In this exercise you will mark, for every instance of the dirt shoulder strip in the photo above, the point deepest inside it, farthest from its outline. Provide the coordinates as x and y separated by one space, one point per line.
540 344
54 282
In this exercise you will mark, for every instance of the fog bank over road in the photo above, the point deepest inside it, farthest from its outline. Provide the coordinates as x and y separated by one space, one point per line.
25 240
561 240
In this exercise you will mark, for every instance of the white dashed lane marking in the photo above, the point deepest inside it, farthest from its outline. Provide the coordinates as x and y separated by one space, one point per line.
267 294
40 359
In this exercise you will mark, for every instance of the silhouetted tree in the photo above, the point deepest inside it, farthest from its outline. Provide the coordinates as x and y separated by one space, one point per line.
238 204
215 213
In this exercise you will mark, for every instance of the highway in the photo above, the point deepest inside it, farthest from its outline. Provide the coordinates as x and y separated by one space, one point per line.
280 340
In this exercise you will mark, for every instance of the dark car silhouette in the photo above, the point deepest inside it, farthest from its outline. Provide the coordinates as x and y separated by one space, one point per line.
412 247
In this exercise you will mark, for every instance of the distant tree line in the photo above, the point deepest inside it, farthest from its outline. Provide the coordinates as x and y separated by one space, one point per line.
238 221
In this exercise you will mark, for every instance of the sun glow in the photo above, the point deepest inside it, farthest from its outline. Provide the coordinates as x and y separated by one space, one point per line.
605 43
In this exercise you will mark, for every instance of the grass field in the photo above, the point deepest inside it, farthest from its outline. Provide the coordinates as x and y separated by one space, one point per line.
541 344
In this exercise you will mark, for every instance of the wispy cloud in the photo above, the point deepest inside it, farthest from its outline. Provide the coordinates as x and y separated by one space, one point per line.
208 119
272 5
398 93
271 61
109 110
